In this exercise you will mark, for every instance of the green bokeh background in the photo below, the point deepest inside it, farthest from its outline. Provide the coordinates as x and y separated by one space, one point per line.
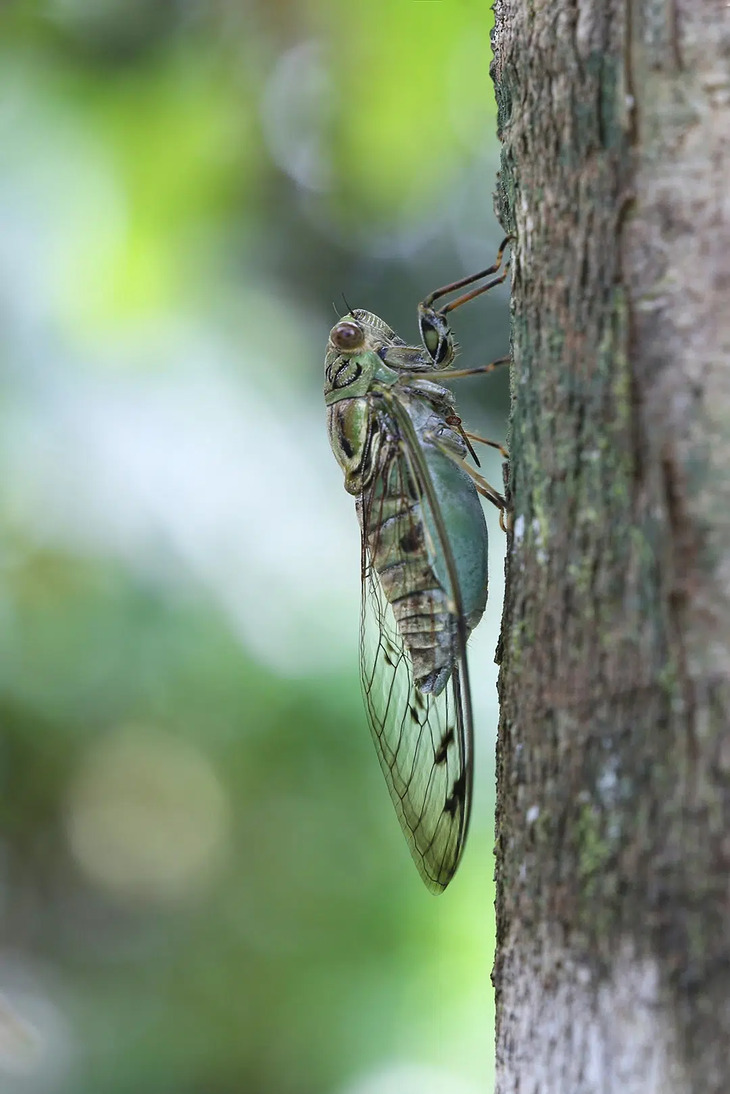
204 888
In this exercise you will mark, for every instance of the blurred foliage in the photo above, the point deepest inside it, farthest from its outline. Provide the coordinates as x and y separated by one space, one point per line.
204 887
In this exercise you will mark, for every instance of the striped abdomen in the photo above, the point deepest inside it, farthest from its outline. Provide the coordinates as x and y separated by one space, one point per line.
398 546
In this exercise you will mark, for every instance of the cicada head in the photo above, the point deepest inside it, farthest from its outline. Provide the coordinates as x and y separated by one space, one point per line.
354 354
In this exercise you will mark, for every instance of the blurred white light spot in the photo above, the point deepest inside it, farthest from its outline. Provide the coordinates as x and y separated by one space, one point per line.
37 1046
411 1079
294 111
146 816
20 1042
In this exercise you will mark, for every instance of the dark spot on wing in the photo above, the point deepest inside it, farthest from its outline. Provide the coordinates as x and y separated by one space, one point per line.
456 797
414 714
447 739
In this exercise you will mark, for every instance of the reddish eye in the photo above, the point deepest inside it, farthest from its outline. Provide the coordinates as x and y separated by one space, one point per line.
347 335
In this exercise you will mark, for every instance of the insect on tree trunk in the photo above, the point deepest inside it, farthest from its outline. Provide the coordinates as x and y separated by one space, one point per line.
613 829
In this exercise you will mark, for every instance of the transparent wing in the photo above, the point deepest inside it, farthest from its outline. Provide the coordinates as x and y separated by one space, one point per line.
423 740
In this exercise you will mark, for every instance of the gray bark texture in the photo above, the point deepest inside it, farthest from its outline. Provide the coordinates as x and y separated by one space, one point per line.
613 828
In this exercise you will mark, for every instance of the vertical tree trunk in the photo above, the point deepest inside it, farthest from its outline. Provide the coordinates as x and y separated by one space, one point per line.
613 827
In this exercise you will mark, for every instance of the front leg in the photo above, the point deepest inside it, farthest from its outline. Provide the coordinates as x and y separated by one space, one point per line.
433 324
459 373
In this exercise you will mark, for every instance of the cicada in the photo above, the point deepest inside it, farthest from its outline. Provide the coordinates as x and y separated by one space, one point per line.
395 432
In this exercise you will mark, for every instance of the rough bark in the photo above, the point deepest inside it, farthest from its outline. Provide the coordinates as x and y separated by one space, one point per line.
613 834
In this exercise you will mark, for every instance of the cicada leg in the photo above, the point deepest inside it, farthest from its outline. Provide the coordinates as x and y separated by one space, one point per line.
456 423
484 488
469 280
432 322
484 440
487 491
447 375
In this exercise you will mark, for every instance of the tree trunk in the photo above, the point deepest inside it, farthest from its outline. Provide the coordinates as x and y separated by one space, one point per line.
613 834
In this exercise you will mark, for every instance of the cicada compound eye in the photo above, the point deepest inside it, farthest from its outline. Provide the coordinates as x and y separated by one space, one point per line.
347 335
